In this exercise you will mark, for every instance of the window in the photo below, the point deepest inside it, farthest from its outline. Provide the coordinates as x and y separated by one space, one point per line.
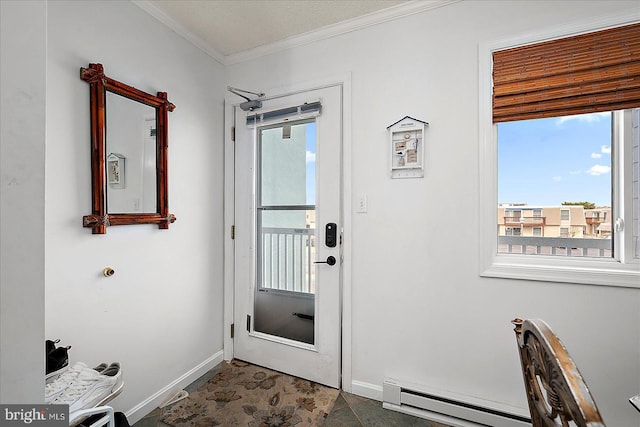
635 172
512 214
285 207
513 231
526 85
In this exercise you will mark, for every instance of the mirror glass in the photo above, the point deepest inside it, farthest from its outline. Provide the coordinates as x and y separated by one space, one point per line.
130 155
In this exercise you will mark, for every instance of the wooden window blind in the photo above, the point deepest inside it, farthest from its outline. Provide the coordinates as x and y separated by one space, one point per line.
593 72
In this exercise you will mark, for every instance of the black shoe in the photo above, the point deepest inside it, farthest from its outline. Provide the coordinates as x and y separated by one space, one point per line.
57 359
49 346
121 420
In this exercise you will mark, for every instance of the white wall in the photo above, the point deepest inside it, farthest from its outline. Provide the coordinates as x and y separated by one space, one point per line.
22 210
420 312
160 315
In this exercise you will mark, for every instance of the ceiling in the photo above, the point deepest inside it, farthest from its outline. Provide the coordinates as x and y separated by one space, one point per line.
229 27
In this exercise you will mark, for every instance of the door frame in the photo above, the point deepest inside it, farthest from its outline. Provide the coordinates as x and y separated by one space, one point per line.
230 104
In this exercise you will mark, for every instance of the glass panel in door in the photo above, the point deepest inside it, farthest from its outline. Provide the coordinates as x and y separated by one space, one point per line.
284 303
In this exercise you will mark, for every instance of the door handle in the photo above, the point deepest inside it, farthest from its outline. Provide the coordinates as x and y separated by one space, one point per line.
331 260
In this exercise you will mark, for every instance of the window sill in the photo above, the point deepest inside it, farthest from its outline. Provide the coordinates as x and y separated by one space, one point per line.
546 269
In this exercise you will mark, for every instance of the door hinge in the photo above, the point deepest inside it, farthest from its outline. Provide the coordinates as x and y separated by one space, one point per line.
233 232
233 134
248 323
232 329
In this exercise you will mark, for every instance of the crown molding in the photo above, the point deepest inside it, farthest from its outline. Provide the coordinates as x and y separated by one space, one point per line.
183 31
368 20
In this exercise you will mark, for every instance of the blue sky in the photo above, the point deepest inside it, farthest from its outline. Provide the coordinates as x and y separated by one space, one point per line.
311 162
545 162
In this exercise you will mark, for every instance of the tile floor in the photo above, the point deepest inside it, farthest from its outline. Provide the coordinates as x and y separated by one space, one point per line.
349 411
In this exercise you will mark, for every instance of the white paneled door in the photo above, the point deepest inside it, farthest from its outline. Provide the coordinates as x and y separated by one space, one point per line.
288 239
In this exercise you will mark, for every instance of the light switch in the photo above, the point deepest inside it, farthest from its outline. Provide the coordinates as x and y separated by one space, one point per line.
361 204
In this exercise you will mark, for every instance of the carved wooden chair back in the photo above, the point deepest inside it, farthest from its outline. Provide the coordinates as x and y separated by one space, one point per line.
556 393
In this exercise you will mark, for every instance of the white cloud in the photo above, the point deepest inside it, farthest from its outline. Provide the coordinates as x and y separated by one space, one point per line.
596 170
557 178
588 118
311 157
604 149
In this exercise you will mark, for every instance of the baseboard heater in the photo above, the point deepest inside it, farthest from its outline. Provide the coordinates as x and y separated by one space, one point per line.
450 408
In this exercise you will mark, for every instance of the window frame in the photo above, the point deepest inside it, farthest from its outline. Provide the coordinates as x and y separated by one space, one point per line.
621 271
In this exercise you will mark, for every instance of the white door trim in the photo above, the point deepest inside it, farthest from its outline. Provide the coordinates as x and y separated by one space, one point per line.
230 103
229 221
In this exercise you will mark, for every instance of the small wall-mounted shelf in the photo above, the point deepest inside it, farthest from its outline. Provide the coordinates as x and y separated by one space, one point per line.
406 142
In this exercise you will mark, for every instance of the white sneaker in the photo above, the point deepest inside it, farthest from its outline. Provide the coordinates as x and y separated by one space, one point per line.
52 376
60 384
91 388
54 388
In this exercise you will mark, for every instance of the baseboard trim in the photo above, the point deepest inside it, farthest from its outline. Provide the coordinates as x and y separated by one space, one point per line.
149 404
370 391
431 416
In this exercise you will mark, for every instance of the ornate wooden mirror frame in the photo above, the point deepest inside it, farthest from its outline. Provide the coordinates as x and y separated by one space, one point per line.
100 218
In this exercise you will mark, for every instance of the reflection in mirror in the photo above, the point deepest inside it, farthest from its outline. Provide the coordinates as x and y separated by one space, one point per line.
131 156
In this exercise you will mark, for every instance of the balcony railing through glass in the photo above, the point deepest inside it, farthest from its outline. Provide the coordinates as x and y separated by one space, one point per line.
569 246
288 256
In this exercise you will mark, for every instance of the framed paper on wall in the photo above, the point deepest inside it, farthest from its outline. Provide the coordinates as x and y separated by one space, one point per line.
406 141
